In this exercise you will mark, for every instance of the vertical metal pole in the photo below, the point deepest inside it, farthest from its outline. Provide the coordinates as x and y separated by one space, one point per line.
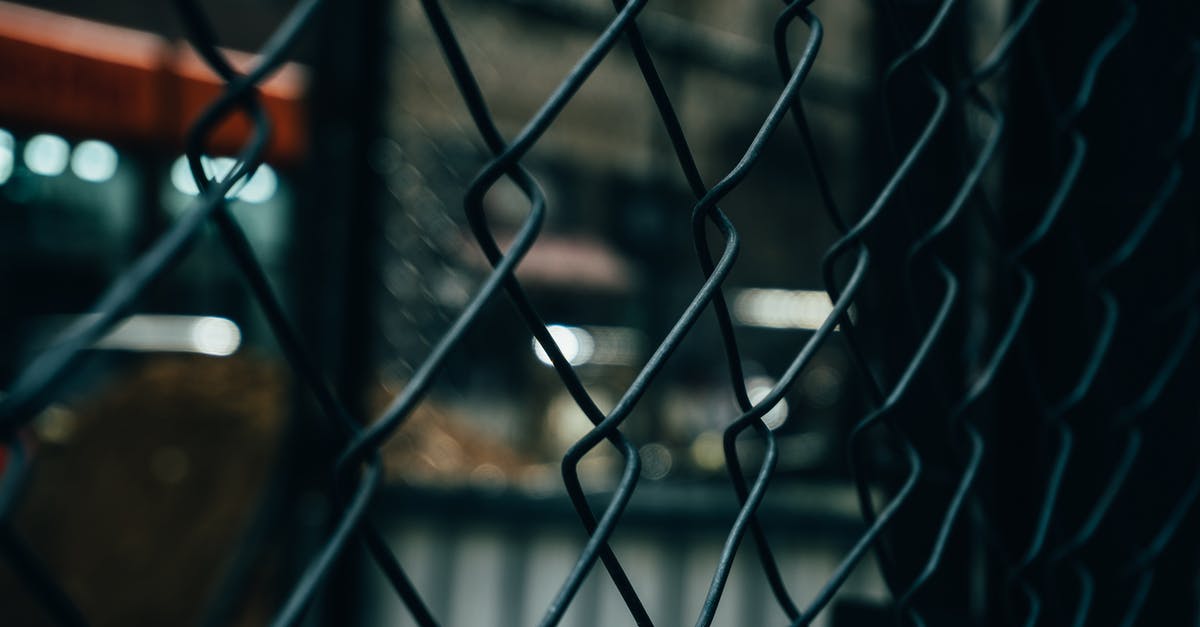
334 247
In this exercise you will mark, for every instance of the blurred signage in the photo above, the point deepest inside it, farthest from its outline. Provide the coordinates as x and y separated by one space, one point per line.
82 77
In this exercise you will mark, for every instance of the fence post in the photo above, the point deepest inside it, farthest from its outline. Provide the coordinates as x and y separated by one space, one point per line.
334 246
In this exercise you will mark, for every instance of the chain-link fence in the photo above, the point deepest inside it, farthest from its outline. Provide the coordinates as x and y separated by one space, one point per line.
1018 298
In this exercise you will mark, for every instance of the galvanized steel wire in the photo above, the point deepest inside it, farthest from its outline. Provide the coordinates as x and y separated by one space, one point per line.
1031 591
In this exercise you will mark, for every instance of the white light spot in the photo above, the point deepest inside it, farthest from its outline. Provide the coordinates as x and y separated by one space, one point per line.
47 154
758 389
172 333
782 309
261 186
6 155
577 345
215 336
94 161
181 177
217 168
656 461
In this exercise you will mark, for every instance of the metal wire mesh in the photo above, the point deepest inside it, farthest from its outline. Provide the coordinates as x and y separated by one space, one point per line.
1098 425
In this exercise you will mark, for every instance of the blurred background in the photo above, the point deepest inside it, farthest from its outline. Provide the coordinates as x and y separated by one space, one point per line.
184 436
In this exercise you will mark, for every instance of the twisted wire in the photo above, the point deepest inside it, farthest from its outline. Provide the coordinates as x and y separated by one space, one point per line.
970 89
1053 413
900 406
1124 425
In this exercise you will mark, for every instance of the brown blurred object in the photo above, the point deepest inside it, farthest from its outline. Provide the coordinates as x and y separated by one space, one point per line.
436 447
139 509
